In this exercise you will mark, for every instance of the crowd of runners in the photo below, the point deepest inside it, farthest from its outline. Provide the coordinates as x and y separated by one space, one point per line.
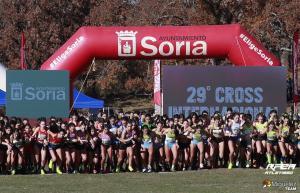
141 142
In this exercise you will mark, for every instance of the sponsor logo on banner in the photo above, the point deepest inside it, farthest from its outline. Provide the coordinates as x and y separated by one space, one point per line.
39 93
289 186
126 43
16 91
280 169
34 94
67 52
173 45
254 48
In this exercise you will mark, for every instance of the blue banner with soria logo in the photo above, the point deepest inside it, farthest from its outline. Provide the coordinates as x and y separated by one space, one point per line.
36 94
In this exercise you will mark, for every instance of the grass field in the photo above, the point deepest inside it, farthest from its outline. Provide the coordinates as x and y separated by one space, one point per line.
217 180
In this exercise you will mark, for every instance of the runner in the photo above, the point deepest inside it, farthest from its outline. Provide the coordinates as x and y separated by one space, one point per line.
233 133
126 143
115 136
159 144
29 160
82 147
71 151
259 138
55 137
197 143
272 142
147 149
284 138
171 145
216 129
246 139
184 143
17 154
297 142
106 150
93 150
6 141
40 136
2 147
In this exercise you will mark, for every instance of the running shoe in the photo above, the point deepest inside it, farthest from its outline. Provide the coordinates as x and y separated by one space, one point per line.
149 169
43 172
269 158
50 165
162 168
230 166
261 167
144 170
275 159
248 164
13 172
58 170
173 168
201 166
118 170
81 168
33 170
130 169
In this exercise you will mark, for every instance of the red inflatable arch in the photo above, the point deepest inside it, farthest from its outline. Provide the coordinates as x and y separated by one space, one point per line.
230 41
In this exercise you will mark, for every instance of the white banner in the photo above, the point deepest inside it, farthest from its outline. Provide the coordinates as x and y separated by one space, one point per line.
157 87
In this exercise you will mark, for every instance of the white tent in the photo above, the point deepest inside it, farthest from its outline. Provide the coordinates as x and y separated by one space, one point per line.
2 77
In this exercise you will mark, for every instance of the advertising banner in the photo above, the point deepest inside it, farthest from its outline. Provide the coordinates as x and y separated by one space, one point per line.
35 94
157 87
245 89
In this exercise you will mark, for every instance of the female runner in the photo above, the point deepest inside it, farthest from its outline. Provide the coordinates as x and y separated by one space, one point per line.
126 143
246 139
147 149
184 143
297 143
29 160
217 136
233 131
106 149
71 149
171 146
259 138
17 141
55 137
284 133
2 147
93 149
6 141
83 144
272 142
40 146
198 136
158 143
